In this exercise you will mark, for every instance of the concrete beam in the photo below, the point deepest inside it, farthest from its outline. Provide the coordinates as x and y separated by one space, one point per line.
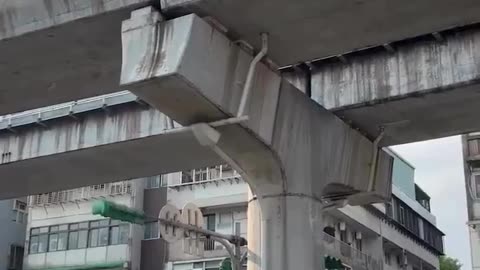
193 73
294 153
59 50
54 51
424 90
129 141
304 30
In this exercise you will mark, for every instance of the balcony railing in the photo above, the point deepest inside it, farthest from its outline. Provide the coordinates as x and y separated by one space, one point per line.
79 194
208 175
349 255
209 244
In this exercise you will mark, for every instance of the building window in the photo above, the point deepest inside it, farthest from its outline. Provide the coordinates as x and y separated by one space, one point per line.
343 236
98 235
78 235
19 211
201 175
358 244
151 230
389 209
210 224
57 238
15 258
155 182
401 215
477 184
388 258
39 240
187 177
225 220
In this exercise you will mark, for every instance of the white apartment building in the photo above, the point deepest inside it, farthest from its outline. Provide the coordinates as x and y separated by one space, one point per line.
63 234
401 234
13 221
471 157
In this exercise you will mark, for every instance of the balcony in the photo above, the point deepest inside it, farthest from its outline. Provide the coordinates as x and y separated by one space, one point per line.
204 176
473 150
79 194
349 255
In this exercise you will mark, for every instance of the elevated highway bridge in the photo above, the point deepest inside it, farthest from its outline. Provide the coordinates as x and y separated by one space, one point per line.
202 64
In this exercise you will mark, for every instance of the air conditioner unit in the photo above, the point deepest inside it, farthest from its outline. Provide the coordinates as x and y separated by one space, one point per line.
358 235
342 226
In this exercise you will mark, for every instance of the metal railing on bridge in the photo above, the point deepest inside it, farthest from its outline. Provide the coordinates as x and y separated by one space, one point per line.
349 255
84 193
37 116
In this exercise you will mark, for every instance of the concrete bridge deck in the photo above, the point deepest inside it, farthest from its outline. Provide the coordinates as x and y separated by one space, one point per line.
422 90
54 51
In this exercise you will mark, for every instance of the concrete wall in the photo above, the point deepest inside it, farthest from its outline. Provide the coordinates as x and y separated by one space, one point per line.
390 233
380 88
475 247
11 233
96 141
154 251
77 40
226 193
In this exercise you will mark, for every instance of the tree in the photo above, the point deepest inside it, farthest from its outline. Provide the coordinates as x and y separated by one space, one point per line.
447 263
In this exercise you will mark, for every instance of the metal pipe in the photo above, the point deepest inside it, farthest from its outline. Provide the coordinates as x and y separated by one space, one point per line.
221 238
233 256
230 238
251 73
373 168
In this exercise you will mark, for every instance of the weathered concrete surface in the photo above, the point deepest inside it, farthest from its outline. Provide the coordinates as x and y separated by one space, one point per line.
424 90
304 29
53 51
128 142
171 76
292 151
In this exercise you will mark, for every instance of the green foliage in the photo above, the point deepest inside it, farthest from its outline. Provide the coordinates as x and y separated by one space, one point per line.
332 263
118 212
447 263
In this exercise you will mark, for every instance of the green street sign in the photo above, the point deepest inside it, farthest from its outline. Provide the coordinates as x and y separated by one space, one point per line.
118 212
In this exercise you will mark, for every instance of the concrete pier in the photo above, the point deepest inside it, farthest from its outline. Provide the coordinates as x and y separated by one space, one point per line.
295 154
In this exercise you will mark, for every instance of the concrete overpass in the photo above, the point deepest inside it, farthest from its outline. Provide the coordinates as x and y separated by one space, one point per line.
294 153
418 89
77 46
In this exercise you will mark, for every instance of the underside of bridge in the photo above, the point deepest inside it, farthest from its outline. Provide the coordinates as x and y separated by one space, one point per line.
295 153
77 49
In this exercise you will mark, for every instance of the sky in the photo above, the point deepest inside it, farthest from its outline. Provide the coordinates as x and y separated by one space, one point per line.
439 171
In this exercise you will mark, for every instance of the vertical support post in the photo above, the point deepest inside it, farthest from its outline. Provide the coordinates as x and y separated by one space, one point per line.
290 232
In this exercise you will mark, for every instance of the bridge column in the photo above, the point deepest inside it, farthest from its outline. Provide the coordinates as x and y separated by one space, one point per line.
294 153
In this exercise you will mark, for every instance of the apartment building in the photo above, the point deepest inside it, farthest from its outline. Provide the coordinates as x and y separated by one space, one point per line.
62 232
400 234
13 223
471 157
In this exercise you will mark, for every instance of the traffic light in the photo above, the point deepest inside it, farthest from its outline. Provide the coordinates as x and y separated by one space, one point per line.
332 263
226 264
118 212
